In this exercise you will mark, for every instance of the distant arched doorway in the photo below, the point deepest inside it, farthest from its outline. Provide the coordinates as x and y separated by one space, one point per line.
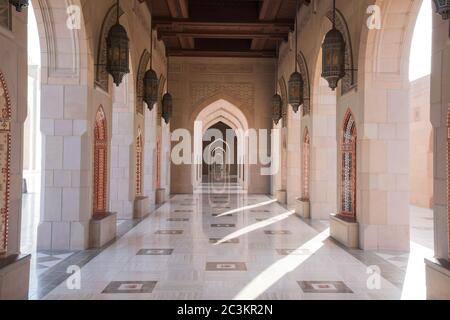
306 165
230 116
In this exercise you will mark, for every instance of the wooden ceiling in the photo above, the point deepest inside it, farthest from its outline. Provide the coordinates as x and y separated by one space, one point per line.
223 28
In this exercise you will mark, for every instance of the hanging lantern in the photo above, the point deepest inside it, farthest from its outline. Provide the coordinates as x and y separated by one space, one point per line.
295 88
151 85
333 60
443 8
19 4
118 64
277 108
167 107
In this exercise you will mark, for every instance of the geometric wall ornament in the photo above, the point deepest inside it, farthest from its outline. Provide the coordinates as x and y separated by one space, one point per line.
306 164
243 92
101 74
145 58
348 173
100 162
306 86
5 162
139 162
350 80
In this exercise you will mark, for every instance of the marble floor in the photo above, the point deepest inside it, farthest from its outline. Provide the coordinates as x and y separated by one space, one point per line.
235 246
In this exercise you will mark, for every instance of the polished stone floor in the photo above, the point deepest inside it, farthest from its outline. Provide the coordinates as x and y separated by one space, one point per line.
235 246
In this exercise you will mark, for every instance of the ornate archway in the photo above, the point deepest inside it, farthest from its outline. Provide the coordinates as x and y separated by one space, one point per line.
304 71
5 162
348 172
100 162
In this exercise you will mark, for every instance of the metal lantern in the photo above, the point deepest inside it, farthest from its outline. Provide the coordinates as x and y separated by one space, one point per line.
443 8
295 89
277 106
151 85
19 4
118 64
333 60
167 107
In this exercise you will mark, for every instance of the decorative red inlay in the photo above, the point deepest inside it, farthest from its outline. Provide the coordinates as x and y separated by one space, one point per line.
448 178
5 162
306 164
100 162
139 162
348 165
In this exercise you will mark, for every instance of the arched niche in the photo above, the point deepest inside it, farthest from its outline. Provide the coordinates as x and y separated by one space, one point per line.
348 165
304 71
100 162
5 162
142 68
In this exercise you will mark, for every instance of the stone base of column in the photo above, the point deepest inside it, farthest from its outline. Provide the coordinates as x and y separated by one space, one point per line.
302 208
438 279
282 196
103 229
141 207
347 233
160 196
14 277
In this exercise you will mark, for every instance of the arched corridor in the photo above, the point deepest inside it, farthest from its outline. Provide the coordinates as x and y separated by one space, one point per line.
236 149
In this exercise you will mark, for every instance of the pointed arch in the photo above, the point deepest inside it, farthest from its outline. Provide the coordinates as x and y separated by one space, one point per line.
304 71
142 68
100 162
350 80
139 162
101 75
306 165
284 99
5 162
348 172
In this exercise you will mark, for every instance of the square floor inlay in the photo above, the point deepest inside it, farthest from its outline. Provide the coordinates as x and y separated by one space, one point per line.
178 219
222 214
259 211
324 287
226 266
294 252
170 232
217 240
155 252
223 225
277 232
184 211
130 287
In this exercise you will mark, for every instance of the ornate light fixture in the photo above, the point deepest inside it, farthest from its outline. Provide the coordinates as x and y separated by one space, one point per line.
443 8
167 101
118 64
19 4
295 85
151 82
333 51
277 101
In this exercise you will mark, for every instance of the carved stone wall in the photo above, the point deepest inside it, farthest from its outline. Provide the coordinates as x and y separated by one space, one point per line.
139 162
244 92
